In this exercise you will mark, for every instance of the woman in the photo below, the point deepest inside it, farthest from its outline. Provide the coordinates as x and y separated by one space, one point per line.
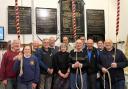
29 73
61 68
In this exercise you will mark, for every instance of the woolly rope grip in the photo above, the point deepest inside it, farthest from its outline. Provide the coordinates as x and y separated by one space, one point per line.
118 17
74 18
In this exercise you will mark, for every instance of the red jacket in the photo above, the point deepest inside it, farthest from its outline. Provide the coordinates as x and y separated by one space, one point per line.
7 65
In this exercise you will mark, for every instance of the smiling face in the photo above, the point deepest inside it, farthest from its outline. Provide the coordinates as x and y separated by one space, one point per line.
35 44
65 40
46 43
79 44
90 43
63 47
16 45
83 39
108 44
27 50
51 41
100 44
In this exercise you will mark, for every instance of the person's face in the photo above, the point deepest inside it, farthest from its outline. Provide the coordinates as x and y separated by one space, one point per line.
46 44
35 44
108 45
82 39
27 50
65 40
100 44
16 45
63 48
79 44
52 42
90 43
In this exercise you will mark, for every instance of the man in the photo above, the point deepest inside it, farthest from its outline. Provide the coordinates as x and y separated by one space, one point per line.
100 48
113 60
66 41
54 48
83 39
91 54
100 45
44 56
78 67
7 74
35 45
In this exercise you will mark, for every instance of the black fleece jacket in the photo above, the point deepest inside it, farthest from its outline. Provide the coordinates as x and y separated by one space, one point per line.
105 60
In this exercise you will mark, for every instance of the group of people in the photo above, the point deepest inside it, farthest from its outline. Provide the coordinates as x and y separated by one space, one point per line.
81 66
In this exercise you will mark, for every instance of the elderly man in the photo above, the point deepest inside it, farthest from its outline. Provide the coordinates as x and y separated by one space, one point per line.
113 60
52 45
83 39
44 56
100 45
100 48
78 67
35 45
92 69
7 74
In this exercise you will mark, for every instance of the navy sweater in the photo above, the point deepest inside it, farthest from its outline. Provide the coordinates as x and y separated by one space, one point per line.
81 57
31 71
105 60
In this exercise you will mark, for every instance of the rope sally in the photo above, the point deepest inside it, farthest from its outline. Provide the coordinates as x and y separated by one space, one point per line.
74 18
75 37
17 19
117 25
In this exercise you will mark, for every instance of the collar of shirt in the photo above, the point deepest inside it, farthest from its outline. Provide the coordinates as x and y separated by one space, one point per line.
75 50
89 54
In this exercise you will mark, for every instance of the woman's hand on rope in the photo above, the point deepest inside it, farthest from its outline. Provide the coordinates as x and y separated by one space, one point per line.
77 65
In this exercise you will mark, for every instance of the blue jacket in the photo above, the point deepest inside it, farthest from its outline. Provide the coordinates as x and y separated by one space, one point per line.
105 60
45 59
31 70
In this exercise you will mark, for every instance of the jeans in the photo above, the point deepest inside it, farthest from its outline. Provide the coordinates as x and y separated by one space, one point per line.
73 81
92 82
45 81
117 85
27 85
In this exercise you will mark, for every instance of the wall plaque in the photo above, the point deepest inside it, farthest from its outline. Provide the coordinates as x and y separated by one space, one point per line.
46 20
95 24
66 18
25 20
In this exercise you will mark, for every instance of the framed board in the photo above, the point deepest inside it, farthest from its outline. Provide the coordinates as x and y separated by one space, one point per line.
25 20
66 18
46 20
95 24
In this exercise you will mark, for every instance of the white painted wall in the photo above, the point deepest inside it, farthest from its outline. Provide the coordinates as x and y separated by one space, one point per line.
109 6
